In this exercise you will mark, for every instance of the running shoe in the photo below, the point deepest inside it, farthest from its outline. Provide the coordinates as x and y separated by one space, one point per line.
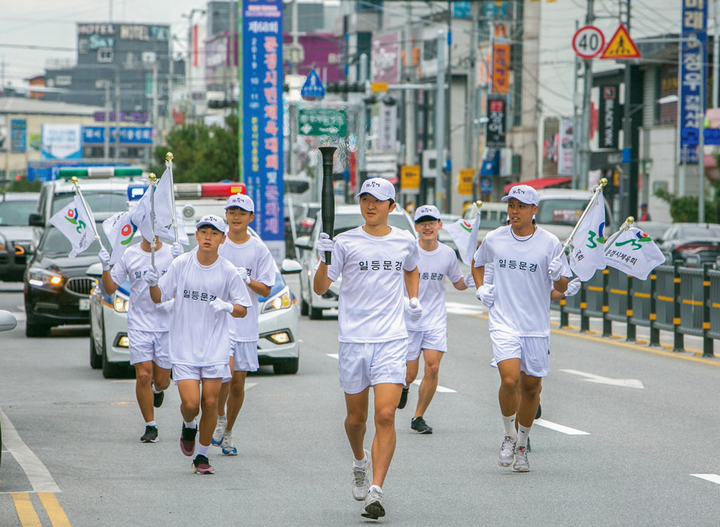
228 447
374 504
521 461
158 399
420 426
538 414
201 465
528 445
187 440
150 435
217 437
403 397
507 452
361 479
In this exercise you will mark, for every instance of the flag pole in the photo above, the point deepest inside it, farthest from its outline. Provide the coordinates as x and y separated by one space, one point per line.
152 177
74 181
597 192
169 165
624 227
478 206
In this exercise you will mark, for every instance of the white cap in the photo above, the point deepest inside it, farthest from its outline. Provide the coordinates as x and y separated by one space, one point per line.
427 210
213 221
379 187
242 201
524 194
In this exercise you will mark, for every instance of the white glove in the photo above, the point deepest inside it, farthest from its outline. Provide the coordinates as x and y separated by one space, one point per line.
555 268
176 249
325 244
219 306
573 287
486 294
469 280
166 307
414 309
151 276
104 259
244 275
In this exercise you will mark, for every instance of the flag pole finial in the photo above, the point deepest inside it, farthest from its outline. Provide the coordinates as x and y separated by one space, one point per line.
74 180
152 177
169 157
603 182
478 204
630 220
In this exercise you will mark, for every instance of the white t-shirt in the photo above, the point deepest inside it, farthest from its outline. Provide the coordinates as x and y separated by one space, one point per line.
254 256
434 266
143 313
198 336
522 283
371 306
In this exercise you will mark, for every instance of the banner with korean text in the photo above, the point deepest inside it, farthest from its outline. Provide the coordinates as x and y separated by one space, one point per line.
262 120
692 82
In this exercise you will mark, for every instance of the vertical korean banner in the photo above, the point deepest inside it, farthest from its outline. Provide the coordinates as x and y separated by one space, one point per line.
262 137
692 82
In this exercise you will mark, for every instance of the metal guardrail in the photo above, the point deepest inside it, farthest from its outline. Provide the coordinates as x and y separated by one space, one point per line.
681 300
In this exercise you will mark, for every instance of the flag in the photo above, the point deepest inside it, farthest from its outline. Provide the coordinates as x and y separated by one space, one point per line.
588 253
74 222
464 234
634 253
120 231
141 213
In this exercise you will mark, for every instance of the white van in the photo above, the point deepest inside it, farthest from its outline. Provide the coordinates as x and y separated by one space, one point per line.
492 216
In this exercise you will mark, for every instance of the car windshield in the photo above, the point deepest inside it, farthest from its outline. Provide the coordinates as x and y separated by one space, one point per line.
98 201
345 222
560 211
492 219
16 213
54 242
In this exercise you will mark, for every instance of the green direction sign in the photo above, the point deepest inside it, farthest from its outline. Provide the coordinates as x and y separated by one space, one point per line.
322 121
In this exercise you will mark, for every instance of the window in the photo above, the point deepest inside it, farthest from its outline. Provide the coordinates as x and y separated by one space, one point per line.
430 49
105 55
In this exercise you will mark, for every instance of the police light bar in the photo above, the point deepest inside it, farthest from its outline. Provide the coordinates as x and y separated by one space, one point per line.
99 172
135 192
208 190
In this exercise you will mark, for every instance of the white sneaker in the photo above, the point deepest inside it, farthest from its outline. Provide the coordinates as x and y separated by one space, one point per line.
228 448
374 504
361 479
521 461
217 437
507 452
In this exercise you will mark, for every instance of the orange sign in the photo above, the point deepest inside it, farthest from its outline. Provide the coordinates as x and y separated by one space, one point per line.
465 182
410 177
501 68
621 46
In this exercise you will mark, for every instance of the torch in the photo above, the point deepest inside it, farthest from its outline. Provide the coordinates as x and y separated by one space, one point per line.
328 195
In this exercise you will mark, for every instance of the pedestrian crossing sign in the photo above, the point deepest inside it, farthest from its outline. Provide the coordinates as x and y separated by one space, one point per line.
621 46
313 87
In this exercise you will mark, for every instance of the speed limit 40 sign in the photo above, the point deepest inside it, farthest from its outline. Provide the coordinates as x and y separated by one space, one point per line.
588 42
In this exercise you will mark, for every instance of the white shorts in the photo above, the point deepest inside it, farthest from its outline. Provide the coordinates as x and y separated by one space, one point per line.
183 372
432 339
149 346
533 352
245 357
366 364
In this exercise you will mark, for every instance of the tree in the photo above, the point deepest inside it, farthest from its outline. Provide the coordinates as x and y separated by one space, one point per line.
685 209
201 153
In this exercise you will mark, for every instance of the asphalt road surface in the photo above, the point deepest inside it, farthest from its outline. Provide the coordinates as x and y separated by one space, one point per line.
626 438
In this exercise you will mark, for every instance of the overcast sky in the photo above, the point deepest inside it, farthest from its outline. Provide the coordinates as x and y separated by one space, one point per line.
51 23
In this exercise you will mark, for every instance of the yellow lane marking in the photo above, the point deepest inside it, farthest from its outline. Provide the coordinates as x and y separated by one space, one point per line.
25 511
55 512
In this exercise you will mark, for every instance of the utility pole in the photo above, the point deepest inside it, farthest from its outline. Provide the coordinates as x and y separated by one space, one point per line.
410 126
233 51
716 55
108 107
117 116
440 122
701 146
448 113
584 163
576 130
156 117
189 63
471 98
171 64
361 164
629 180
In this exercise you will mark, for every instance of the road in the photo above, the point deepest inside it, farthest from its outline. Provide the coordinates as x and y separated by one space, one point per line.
626 430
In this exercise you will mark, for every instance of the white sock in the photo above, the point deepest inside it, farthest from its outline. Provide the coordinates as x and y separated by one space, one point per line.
509 423
376 488
361 463
151 423
191 424
222 419
203 450
154 390
523 433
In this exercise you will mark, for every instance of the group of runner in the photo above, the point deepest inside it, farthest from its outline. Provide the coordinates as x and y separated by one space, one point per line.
196 313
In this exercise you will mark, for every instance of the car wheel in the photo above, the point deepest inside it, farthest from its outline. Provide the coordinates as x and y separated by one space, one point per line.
112 370
304 309
286 366
96 360
36 330
315 313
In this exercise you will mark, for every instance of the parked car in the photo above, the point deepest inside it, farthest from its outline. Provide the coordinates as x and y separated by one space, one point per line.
16 234
57 288
655 229
346 217
701 241
305 221
492 216
7 323
278 318
444 236
560 209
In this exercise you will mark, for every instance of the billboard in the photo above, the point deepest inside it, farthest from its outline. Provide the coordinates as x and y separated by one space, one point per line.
129 135
610 117
18 136
497 120
385 58
61 141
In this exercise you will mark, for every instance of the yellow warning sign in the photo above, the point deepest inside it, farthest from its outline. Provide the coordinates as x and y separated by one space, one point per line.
410 177
621 46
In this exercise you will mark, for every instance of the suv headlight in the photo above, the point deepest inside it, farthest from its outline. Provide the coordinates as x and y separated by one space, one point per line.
42 278
120 303
282 300
2 244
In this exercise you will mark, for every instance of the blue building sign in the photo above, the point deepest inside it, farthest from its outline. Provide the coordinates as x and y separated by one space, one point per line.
693 75
129 135
262 120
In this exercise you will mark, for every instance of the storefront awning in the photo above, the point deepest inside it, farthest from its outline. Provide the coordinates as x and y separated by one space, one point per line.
543 182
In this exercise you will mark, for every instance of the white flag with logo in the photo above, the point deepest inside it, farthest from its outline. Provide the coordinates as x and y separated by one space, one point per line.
464 234
74 222
163 213
634 253
120 231
588 253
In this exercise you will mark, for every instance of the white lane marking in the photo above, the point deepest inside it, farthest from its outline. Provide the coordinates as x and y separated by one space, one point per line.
560 428
248 385
440 389
457 308
36 472
626 383
712 478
